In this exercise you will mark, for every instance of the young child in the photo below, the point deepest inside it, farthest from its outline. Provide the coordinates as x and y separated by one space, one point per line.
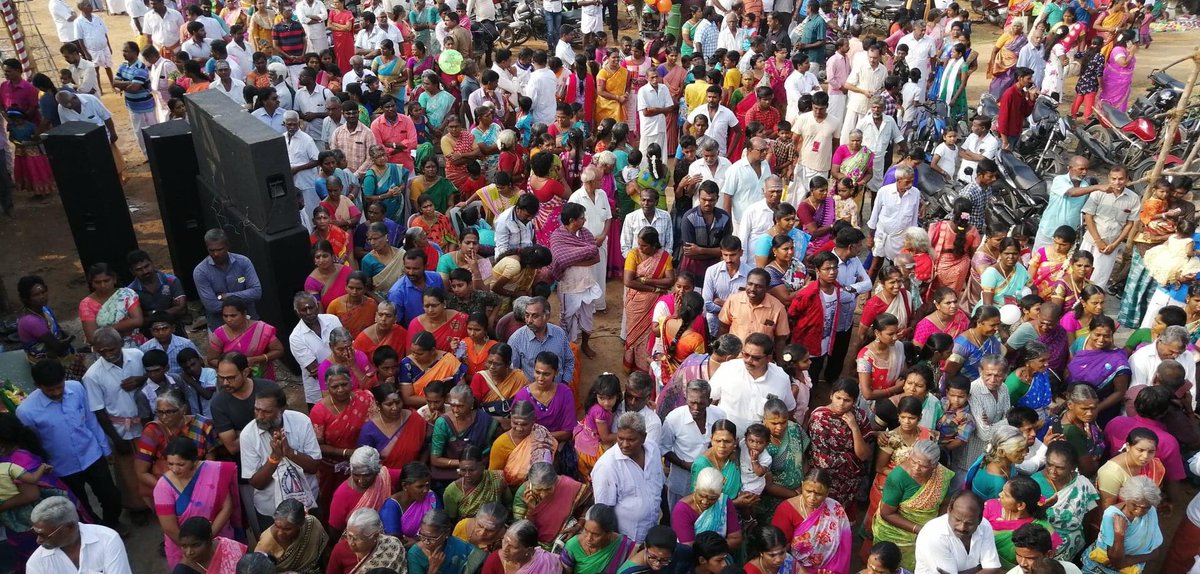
1026 420
796 362
13 480
754 460
65 80
158 380
945 155
956 424
630 171
596 432
1157 221
846 207
201 379
910 94
31 168
435 401
781 156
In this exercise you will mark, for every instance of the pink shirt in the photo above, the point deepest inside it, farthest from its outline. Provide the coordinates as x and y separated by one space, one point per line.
403 132
1168 448
837 70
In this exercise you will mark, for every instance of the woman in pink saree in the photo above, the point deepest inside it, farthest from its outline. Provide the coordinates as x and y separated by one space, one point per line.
369 486
402 512
1117 81
520 553
205 553
817 526
192 487
255 339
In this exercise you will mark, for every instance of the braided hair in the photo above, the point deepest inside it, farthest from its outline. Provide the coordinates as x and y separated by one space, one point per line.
690 308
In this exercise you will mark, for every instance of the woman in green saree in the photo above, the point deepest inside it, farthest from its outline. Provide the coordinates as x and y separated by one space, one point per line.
110 305
912 494
720 455
599 548
1017 506
475 486
854 160
787 446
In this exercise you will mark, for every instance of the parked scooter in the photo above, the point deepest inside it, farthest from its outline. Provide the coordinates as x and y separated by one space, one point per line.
1023 193
526 21
995 12
927 129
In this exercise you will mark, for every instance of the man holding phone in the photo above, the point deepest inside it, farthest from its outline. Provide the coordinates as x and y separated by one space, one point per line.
1068 193
1015 105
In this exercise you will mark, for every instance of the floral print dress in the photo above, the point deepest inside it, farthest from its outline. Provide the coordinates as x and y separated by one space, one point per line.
833 450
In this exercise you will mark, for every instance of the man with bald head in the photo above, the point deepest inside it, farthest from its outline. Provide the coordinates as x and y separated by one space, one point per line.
745 178
1068 193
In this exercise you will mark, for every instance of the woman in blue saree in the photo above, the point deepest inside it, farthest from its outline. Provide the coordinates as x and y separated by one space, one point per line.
387 184
1129 531
978 341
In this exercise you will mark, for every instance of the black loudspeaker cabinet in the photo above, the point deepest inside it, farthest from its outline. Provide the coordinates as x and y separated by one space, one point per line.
281 259
173 165
244 161
91 193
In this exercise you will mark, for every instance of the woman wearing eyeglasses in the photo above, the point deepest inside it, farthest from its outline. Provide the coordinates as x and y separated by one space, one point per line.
365 547
171 421
194 487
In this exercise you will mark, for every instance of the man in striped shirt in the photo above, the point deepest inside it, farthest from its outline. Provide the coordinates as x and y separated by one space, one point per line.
288 37
133 80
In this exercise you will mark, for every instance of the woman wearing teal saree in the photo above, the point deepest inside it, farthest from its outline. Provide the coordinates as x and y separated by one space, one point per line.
707 509
1006 280
787 446
721 456
387 184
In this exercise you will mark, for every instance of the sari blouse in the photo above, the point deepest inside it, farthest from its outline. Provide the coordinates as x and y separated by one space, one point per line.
399 449
440 232
213 484
111 311
515 459
448 441
461 504
917 503
687 523
152 445
354 319
1003 529
255 340
927 326
970 355
303 555
558 415
447 367
341 429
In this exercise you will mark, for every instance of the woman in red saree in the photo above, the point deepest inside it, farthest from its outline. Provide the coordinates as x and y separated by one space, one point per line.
206 553
255 339
437 227
448 327
369 485
551 194
355 309
385 332
396 432
458 147
324 229
341 26
648 274
337 421
328 278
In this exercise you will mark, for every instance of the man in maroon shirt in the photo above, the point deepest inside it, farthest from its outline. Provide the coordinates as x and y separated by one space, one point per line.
1015 105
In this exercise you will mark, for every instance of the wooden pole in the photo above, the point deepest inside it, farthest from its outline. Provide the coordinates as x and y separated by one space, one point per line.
1176 116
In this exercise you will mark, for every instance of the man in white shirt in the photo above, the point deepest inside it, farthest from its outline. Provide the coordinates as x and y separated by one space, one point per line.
653 103
85 108
864 82
895 210
240 56
742 386
759 217
816 129
1171 344
112 384
83 71
93 34
310 102
648 216
197 46
280 455
65 545
638 391
358 71
312 15
162 24
512 78
958 541
721 121
302 154
630 478
745 180
64 21
1108 218
685 435
309 341
921 52
513 229
226 84
161 70
980 144
542 88
1032 545
799 82
366 41
879 134
563 50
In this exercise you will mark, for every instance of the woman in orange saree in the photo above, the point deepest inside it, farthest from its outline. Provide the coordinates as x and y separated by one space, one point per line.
426 364
355 309
525 444
648 274
612 89
477 345
385 332
677 338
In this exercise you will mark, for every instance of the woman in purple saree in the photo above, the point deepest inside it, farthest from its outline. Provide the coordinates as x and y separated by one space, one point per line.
401 514
1104 366
1117 81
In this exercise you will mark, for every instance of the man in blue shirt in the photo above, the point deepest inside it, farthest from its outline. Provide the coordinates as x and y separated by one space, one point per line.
157 291
225 276
407 294
1068 193
59 413
539 335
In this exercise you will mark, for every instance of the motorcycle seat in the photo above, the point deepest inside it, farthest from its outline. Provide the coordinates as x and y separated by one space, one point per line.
929 182
1115 117
1044 107
1161 78
989 107
1022 174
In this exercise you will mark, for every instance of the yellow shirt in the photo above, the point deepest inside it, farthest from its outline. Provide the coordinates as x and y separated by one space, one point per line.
695 94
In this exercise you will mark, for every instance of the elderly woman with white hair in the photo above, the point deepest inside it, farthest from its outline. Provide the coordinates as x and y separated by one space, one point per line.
913 493
61 536
520 553
1129 531
998 463
295 540
707 509
369 486
364 546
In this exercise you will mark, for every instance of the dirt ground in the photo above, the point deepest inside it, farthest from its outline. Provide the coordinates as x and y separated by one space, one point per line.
41 240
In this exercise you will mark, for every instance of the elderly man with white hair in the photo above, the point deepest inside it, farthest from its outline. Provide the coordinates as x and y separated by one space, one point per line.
311 340
68 546
365 547
895 210
630 478
302 155
1171 344
280 75
598 219
113 383
358 71
989 403
686 434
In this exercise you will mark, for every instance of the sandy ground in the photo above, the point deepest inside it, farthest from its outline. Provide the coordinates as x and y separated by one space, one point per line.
43 243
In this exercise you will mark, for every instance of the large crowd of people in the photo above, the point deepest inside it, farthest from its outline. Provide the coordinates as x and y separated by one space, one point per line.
814 380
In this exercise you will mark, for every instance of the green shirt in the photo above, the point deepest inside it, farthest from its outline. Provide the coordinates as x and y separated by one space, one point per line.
1137 338
1016 387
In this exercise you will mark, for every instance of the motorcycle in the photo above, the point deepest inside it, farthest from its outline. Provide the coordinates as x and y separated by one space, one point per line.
525 21
879 14
1023 193
995 12
1162 95
930 124
1044 144
937 194
1118 138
